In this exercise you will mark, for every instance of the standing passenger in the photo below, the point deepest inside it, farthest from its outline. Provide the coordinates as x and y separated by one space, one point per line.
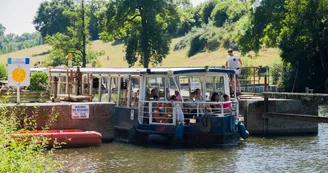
232 64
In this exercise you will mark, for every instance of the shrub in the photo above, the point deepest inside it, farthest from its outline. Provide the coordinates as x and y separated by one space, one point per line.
197 44
3 71
276 73
39 82
23 153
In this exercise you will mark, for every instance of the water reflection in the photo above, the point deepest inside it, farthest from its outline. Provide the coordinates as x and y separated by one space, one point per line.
293 154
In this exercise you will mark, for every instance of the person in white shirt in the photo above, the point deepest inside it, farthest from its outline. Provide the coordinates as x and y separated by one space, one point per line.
232 64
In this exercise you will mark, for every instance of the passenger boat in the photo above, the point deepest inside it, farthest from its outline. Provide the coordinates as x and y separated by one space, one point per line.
156 118
66 138
146 113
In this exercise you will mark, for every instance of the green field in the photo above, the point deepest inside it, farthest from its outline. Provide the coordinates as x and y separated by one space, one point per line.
174 59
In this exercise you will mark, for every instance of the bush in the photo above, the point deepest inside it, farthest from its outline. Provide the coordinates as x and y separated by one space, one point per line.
39 82
276 73
23 153
3 71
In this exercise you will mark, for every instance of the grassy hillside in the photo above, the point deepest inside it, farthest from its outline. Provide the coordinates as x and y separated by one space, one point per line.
174 59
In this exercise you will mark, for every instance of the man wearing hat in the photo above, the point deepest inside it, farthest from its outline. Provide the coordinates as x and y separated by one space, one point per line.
232 64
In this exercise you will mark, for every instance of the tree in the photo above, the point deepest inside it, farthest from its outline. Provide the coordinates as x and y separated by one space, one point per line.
262 27
75 41
207 9
2 30
50 18
144 24
299 29
94 6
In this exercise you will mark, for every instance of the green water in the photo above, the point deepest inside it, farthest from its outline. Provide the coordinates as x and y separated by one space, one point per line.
283 154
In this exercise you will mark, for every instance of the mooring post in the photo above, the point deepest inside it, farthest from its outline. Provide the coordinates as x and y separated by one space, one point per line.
55 87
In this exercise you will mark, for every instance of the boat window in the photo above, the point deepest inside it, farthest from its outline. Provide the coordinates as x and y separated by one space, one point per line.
214 84
124 89
184 87
114 89
155 88
135 91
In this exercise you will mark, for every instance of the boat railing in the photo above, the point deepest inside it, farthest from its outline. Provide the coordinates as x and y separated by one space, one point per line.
170 113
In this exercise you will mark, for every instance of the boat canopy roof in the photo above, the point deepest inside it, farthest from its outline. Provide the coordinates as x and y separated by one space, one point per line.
138 71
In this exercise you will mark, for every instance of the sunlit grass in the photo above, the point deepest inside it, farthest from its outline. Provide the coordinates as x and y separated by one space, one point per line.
174 59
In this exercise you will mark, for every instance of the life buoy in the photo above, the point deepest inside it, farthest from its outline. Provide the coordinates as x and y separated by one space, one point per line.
163 117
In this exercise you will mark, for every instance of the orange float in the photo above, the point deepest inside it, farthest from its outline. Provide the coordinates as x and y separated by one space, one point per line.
66 138
163 117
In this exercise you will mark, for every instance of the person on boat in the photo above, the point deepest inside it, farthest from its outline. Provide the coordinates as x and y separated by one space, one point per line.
177 96
135 99
227 104
215 98
232 64
154 92
176 105
197 99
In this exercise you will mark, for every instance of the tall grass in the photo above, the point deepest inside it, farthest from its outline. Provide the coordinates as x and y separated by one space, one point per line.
24 153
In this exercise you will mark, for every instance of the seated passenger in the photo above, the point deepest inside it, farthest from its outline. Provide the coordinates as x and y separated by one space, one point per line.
227 105
215 98
178 96
135 100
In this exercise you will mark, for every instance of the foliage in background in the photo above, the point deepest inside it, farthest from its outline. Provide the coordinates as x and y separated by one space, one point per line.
299 29
72 41
50 18
218 29
39 82
144 24
12 42
3 71
21 153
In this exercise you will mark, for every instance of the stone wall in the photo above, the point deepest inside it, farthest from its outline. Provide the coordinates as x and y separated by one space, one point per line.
101 117
253 109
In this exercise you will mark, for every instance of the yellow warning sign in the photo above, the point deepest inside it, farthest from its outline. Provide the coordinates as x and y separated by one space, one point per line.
19 75
70 56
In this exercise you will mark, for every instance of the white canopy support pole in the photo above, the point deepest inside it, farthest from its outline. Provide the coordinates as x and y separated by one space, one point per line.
142 88
234 86
109 89
66 86
91 85
82 83
178 88
203 85
99 88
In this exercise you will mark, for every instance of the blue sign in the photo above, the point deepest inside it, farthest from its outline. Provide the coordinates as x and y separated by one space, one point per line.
18 61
